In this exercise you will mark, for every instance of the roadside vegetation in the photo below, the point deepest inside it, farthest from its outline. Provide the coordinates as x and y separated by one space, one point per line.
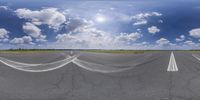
120 51
194 51
18 51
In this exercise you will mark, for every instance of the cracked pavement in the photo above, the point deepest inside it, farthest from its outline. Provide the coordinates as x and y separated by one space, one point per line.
146 81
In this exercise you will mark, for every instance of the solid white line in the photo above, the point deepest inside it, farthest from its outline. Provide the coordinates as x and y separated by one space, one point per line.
196 57
172 63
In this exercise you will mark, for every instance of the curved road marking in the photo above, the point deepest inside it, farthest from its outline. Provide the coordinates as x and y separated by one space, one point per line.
98 67
58 64
172 63
37 67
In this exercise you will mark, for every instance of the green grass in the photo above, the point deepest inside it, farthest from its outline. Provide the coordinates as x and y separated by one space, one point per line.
194 51
28 51
120 51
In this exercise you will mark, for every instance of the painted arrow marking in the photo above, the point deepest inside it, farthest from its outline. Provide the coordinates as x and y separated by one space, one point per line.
172 63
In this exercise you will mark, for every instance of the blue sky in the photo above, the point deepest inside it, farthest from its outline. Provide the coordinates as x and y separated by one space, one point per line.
95 24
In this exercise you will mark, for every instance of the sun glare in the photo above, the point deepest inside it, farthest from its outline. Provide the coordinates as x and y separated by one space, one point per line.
100 19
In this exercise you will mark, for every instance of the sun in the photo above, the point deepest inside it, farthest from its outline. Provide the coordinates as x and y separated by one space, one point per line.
100 18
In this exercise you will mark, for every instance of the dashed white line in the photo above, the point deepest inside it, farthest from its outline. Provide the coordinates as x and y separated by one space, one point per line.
172 63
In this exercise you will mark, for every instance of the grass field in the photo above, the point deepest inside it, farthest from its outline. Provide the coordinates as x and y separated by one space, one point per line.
194 51
17 51
28 51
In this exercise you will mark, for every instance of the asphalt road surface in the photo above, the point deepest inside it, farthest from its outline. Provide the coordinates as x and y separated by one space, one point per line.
147 78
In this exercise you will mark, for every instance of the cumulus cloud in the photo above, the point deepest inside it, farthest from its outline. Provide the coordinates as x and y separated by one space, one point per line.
195 33
22 40
191 45
146 15
83 34
64 37
34 32
137 19
94 38
4 37
141 18
124 37
85 37
41 38
3 33
189 42
180 38
31 30
49 16
162 41
153 29
79 31
75 25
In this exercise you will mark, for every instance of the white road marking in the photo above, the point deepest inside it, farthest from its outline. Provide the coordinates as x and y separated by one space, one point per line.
196 57
172 63
37 67
94 67
71 52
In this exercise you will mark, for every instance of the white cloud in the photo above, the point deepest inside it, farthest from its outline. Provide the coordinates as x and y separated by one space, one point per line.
146 15
4 33
22 40
85 37
4 7
31 30
4 40
190 43
34 32
41 38
137 19
64 37
124 37
144 43
17 41
82 33
141 18
153 30
140 22
93 38
195 33
48 16
180 38
162 41
74 25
